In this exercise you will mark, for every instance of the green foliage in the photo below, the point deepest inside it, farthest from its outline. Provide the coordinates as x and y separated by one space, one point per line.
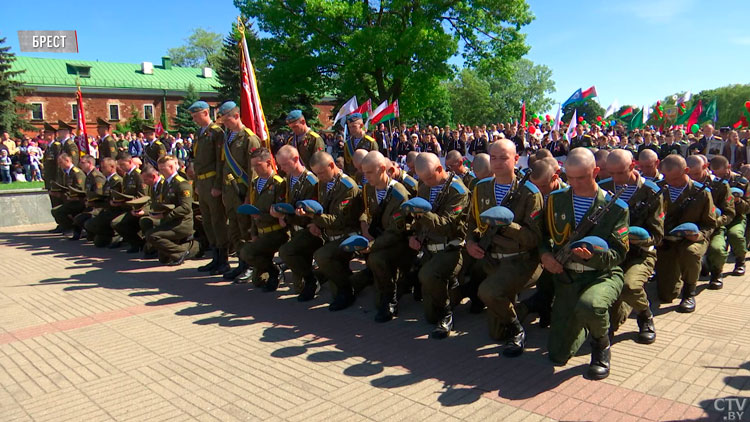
10 118
386 50
730 102
183 120
134 123
202 49
588 110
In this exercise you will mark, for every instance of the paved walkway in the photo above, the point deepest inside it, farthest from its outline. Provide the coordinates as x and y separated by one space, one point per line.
89 334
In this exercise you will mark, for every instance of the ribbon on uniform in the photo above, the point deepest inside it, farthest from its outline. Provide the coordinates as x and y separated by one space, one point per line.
236 169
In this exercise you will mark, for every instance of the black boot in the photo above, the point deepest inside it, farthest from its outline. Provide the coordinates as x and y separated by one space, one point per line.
600 354
233 273
646 330
739 267
117 242
222 262
687 304
344 298
273 280
516 341
211 265
76 234
245 274
386 312
309 290
57 229
716 282
444 327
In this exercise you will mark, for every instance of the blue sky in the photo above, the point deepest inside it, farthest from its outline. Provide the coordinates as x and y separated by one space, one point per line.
636 51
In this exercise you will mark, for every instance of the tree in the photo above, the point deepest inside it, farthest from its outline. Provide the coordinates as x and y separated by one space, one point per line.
390 49
470 98
183 121
135 123
589 110
730 101
10 88
202 49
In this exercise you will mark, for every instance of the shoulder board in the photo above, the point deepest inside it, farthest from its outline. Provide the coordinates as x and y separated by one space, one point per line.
561 190
76 170
408 180
214 126
249 132
180 178
312 179
486 179
459 187
603 181
653 186
698 184
313 134
56 142
116 177
369 138
137 171
396 192
472 173
278 178
620 203
348 182
532 187
157 142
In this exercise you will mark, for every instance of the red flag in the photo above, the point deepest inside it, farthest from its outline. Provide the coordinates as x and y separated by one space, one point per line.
158 129
83 136
693 119
251 110
365 110
388 113
523 115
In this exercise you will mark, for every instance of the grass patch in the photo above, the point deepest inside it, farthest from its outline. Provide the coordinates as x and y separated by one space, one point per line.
21 185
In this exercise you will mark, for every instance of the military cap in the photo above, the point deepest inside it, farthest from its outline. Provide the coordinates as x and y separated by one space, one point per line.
198 106
49 128
638 233
226 108
737 192
310 206
685 229
284 208
118 196
497 216
138 203
63 126
247 209
594 244
293 116
416 206
101 122
161 208
354 243
717 211
75 191
354 116
148 128
56 187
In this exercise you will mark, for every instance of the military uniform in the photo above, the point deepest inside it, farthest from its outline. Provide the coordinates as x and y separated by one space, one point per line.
126 224
367 143
175 226
49 172
737 227
107 147
72 204
154 151
442 232
70 147
585 141
268 234
307 145
235 175
341 211
94 188
468 179
511 262
409 182
582 306
145 222
647 212
716 256
207 165
678 260
298 251
100 226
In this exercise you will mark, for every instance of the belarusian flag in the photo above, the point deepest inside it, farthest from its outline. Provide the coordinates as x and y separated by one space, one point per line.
626 113
365 110
388 113
683 118
83 136
589 93
378 109
695 114
251 110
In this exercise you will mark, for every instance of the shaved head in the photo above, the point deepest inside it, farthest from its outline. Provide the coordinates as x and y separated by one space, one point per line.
673 162
426 162
620 157
358 156
373 158
288 152
506 144
580 158
320 158
648 156
695 162
481 165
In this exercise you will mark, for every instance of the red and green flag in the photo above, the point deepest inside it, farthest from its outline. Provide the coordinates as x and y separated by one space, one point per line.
683 118
745 118
627 112
388 113
710 113
365 110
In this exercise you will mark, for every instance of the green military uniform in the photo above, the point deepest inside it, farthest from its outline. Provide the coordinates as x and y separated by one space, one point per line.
154 151
716 255
126 224
207 164
70 147
647 212
582 307
678 260
145 222
307 145
389 252
236 149
50 171
266 231
511 262
298 251
468 179
94 188
367 143
736 228
409 182
581 141
176 225
341 211
441 232
107 147
100 226
73 203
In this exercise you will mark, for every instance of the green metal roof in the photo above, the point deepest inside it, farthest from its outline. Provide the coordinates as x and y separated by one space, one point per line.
60 72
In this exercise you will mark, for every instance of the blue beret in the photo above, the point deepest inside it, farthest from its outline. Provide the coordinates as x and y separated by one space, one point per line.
284 208
416 206
354 116
737 192
247 209
226 108
310 206
198 106
354 243
497 216
593 243
639 233
717 211
685 229
293 116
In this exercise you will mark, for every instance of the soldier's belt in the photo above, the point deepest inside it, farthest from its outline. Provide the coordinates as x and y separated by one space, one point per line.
437 247
578 268
270 229
205 176
340 236
506 255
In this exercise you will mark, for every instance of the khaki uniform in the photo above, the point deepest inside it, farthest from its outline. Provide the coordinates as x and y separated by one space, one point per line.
366 143
70 147
268 234
50 167
94 187
234 188
737 227
307 145
717 246
72 204
100 226
126 224
640 261
145 222
678 261
409 182
176 225
107 147
154 151
207 165
582 307
511 263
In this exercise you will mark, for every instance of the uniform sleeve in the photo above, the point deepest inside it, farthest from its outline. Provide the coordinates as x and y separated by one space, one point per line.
473 233
99 182
617 239
444 222
726 205
708 222
218 142
183 202
528 231
655 224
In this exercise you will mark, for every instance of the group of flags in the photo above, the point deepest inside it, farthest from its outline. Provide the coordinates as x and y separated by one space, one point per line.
382 113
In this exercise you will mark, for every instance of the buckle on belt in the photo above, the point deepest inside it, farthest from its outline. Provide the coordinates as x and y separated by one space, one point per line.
498 255
578 268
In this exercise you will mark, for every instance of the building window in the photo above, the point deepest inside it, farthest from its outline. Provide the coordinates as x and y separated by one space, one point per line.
36 111
74 111
212 112
114 112
148 111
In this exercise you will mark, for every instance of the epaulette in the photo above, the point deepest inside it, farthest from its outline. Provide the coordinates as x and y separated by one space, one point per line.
314 134
409 181
471 173
278 178
486 179
157 142
76 170
620 203
532 187
137 170
458 186
651 185
214 126
398 195
369 138
348 182
312 178
561 190
700 185
180 178
249 132
603 181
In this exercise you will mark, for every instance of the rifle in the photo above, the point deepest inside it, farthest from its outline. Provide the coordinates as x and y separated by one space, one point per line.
565 253
486 240
639 209
673 218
